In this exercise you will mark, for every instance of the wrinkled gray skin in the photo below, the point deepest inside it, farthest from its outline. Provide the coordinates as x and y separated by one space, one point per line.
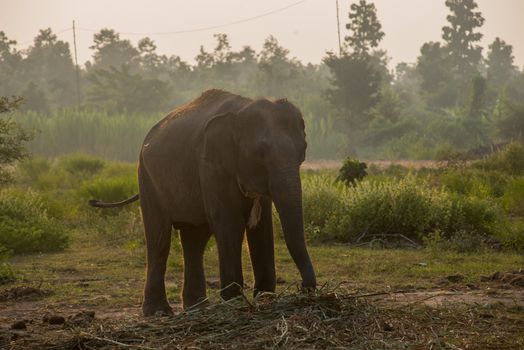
193 165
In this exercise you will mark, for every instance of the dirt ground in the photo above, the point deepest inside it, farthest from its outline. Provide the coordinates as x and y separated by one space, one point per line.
89 296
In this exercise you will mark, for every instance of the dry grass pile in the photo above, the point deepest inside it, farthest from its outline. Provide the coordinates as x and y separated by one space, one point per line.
324 320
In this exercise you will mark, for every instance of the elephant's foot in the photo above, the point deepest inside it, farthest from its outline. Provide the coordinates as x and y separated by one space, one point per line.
195 303
232 291
157 309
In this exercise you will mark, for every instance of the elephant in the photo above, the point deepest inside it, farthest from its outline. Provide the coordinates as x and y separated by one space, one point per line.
216 165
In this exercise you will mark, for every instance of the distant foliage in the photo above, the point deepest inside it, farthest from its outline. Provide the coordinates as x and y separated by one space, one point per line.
352 171
456 94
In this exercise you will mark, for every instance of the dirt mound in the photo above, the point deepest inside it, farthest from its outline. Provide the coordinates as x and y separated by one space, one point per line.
317 321
22 292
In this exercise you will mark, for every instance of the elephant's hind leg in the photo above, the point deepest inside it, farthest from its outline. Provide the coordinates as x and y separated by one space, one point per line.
158 241
194 240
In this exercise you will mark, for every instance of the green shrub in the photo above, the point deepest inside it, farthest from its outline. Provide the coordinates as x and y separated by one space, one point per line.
382 208
391 208
33 168
510 160
321 198
513 199
81 164
513 236
352 171
6 273
108 189
25 226
476 182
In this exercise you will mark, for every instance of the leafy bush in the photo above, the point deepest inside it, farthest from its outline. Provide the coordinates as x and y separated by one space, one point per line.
81 164
513 199
321 198
25 226
6 273
388 208
477 182
33 168
510 160
108 189
381 208
352 171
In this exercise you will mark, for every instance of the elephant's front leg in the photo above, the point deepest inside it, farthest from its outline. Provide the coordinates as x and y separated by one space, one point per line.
261 248
225 208
229 232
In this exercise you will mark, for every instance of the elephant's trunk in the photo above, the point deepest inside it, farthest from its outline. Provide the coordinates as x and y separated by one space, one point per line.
286 192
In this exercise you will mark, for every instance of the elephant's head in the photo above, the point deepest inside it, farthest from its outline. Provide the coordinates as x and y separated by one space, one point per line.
263 145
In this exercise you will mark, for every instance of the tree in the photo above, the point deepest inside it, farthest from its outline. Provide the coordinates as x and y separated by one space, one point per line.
461 37
474 118
365 28
500 63
12 138
35 99
436 78
358 74
10 65
277 72
49 66
356 86
204 59
120 90
509 119
222 53
150 61
111 51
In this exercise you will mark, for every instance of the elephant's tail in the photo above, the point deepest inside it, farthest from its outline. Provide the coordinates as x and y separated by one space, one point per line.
99 204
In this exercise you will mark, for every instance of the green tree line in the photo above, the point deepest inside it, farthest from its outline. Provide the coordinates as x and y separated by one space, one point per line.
457 95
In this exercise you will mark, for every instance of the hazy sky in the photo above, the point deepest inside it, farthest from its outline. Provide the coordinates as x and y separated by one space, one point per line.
308 29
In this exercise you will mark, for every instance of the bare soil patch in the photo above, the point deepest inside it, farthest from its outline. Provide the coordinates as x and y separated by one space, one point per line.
336 318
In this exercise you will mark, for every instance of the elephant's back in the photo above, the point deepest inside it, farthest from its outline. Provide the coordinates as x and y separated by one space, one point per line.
184 125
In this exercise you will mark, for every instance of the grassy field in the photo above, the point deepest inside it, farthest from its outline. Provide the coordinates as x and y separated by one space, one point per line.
71 277
94 276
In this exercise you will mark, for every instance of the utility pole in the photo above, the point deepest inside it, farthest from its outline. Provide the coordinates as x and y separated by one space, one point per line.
76 70
338 29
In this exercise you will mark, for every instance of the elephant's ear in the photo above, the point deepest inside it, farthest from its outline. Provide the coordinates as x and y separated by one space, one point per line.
220 140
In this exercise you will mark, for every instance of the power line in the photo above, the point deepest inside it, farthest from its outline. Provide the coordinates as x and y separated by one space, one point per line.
202 29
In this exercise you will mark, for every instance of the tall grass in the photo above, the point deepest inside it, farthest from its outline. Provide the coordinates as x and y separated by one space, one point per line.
114 137
119 136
